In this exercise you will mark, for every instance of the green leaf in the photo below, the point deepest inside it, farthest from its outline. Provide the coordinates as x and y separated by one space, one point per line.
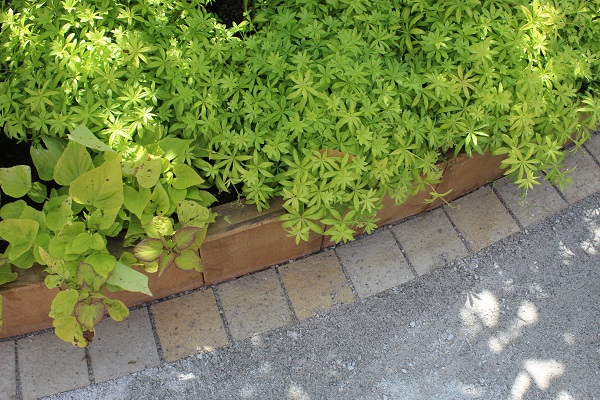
191 213
6 274
159 226
16 181
148 250
89 315
203 197
175 148
165 261
73 162
159 201
103 219
185 177
103 264
65 327
185 237
64 303
20 233
116 309
136 201
38 192
53 281
60 245
147 173
102 187
45 159
84 136
59 216
56 266
81 243
85 274
68 329
127 278
189 260
13 210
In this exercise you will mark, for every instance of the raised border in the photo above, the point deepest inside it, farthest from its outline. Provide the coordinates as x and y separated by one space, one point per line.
241 241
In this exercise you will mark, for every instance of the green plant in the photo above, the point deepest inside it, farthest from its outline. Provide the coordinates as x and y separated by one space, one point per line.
98 198
332 105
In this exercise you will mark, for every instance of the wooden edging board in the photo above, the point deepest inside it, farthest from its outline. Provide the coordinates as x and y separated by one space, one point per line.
240 241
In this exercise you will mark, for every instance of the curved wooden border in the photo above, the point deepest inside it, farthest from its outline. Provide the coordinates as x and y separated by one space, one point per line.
240 241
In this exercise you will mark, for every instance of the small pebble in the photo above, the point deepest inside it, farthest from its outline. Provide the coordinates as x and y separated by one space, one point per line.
404 371
412 324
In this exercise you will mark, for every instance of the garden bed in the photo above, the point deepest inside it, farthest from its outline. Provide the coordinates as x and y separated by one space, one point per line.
321 115
249 242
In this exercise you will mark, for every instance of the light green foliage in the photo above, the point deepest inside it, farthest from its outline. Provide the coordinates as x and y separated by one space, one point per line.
102 195
274 104
165 248
15 181
135 108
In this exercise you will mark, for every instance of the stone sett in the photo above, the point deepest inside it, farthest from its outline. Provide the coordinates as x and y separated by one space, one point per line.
541 201
189 324
374 263
8 376
316 283
430 241
47 365
481 218
254 304
585 178
593 145
121 348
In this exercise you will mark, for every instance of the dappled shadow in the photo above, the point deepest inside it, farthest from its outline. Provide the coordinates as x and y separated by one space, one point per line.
539 321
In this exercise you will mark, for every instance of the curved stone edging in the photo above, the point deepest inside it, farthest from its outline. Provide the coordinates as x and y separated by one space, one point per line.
249 242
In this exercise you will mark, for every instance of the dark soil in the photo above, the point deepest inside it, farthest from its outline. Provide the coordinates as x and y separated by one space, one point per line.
228 11
12 153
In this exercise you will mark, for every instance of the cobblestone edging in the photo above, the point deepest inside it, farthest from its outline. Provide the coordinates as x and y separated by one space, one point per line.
219 314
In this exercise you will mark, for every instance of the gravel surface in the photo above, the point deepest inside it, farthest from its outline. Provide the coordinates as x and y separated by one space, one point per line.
519 319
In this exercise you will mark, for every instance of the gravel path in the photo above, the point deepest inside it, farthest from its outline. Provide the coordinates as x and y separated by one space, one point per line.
519 319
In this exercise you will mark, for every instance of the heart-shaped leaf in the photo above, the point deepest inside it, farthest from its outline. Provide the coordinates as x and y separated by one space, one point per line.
127 278
148 250
116 309
185 176
20 233
73 162
84 136
103 264
189 260
101 187
16 181
184 237
89 315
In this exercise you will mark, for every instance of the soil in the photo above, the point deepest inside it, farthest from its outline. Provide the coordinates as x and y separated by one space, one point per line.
228 11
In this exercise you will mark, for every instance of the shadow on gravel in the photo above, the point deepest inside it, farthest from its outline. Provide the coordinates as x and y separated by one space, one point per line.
517 320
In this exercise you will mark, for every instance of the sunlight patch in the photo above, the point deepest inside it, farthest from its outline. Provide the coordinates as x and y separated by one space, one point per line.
566 253
569 338
543 371
482 308
297 393
526 315
563 395
185 377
